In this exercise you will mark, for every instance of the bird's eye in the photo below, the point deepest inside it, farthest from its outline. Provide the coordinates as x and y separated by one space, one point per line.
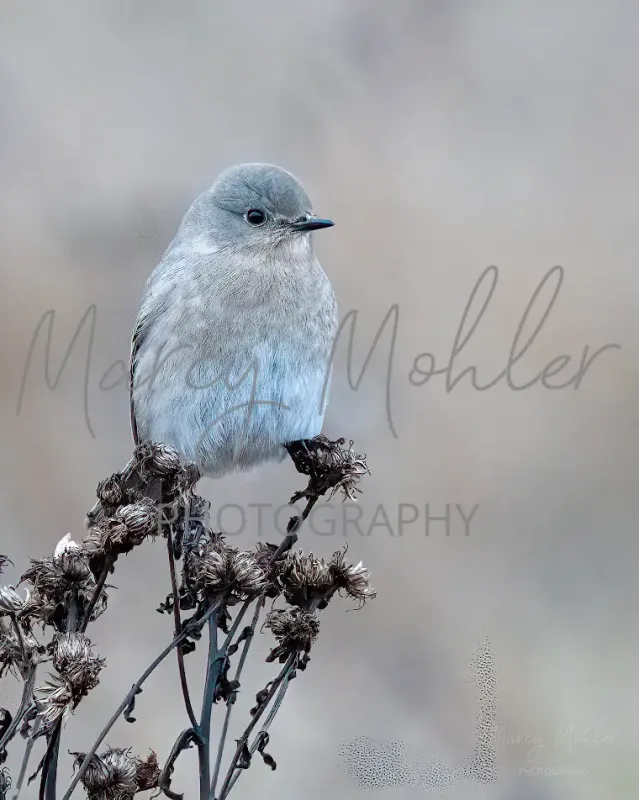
255 216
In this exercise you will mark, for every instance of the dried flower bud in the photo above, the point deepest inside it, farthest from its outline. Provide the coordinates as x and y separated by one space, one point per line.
140 519
350 579
4 560
158 460
70 648
16 653
350 467
110 776
94 542
11 602
56 581
294 630
78 671
147 772
55 699
329 466
264 553
304 578
74 565
111 490
64 545
217 568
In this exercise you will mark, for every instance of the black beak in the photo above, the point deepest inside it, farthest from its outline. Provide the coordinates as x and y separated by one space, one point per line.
311 223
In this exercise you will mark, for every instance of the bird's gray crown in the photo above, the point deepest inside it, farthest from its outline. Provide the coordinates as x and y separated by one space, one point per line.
251 206
264 186
254 206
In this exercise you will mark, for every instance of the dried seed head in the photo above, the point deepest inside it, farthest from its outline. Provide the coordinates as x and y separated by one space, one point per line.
94 542
55 698
140 519
38 608
110 776
74 565
79 672
70 648
218 568
52 577
346 468
46 578
304 578
16 653
330 466
264 553
352 580
111 490
295 630
55 581
11 602
147 772
4 560
156 460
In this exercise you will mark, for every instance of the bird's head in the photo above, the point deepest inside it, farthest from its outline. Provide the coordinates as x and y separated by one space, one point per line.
253 206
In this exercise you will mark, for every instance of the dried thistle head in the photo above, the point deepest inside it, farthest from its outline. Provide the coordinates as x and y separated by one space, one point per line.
16 652
147 773
134 522
111 491
58 580
54 699
129 526
94 543
111 775
329 465
4 560
263 554
304 579
352 580
70 649
215 568
11 602
310 582
156 460
294 629
345 468
78 673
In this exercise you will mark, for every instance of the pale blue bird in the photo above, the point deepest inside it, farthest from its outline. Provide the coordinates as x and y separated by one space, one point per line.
231 352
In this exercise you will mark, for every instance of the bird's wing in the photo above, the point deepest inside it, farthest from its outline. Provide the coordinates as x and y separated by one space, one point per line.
139 334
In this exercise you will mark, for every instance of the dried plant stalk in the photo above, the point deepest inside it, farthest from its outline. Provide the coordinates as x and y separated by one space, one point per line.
217 585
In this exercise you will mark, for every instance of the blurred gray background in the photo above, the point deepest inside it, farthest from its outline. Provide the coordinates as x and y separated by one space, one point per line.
442 137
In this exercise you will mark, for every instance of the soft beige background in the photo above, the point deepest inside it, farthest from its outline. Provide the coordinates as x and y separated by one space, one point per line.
442 137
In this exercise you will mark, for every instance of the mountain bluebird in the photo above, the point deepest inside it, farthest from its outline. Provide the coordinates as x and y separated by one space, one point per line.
230 357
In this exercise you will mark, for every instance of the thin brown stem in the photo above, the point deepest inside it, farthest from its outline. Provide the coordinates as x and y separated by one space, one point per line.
27 755
108 564
131 694
229 704
19 636
177 618
241 742
25 704
267 724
